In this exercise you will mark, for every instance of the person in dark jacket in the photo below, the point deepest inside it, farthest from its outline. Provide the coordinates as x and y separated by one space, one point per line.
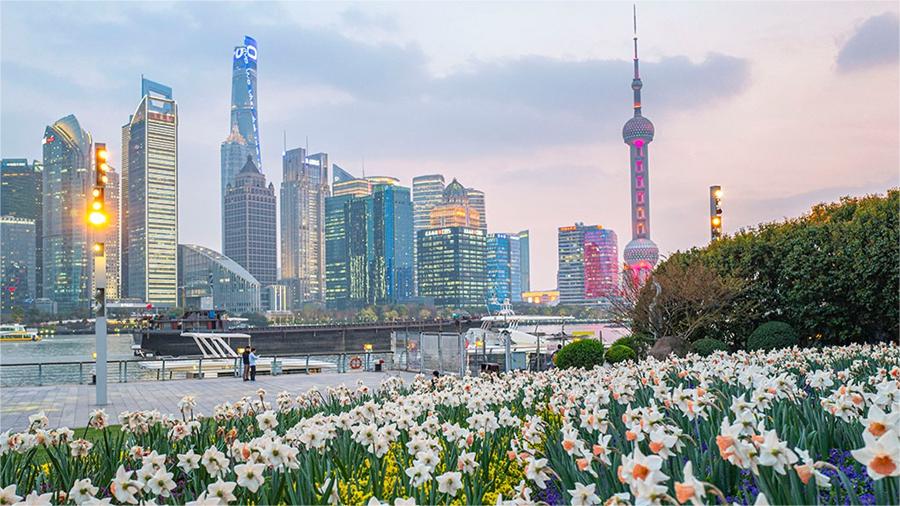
245 362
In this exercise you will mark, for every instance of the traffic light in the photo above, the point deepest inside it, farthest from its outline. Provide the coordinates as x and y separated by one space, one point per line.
715 212
98 216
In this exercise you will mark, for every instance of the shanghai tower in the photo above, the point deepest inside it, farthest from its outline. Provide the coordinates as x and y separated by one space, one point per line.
243 137
641 254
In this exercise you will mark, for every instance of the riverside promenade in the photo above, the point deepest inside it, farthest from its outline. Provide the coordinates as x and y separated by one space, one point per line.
70 405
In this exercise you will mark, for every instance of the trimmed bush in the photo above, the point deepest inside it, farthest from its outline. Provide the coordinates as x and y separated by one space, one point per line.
638 342
771 336
620 353
585 353
706 346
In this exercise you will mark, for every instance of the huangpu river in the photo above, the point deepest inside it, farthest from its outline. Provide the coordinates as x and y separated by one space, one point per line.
61 348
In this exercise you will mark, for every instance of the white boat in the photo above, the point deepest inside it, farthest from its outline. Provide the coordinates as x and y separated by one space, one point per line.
17 332
522 332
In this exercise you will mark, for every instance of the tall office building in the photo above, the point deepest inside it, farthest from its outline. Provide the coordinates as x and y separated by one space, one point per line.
339 175
304 187
18 262
244 103
113 234
233 155
369 247
641 253
123 211
209 280
250 213
476 200
451 266
524 264
67 177
151 230
499 266
427 192
588 264
455 209
21 190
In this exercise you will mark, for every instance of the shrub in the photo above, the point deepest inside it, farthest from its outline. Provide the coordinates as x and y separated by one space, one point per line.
638 342
620 353
771 336
584 353
707 346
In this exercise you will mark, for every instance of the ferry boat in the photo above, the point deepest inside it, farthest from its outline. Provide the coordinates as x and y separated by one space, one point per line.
17 332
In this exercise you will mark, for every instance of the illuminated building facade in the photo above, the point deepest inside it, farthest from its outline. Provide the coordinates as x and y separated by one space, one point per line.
524 285
21 195
304 188
451 266
641 253
151 232
113 235
476 201
67 177
499 267
455 209
250 211
244 104
588 264
427 192
209 278
18 262
543 297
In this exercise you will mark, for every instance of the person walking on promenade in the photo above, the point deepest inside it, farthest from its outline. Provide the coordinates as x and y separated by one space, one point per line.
245 363
253 358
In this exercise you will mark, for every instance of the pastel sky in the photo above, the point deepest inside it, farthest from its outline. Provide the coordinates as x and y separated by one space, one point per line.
783 104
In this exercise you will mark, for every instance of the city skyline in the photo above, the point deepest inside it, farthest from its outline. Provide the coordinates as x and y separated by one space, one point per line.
728 116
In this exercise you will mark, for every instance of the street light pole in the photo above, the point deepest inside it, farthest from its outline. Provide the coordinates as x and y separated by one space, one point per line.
98 219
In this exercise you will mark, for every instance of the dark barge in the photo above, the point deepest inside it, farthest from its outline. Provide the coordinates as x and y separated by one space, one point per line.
159 337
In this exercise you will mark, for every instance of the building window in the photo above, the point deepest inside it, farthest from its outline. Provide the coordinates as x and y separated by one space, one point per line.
639 181
640 197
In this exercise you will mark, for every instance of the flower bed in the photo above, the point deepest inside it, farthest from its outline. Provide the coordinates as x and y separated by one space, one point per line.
785 427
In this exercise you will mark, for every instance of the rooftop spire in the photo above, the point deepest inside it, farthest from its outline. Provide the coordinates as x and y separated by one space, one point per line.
636 84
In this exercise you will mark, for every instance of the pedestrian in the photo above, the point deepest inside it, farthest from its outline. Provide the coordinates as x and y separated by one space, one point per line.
434 379
252 358
245 363
552 363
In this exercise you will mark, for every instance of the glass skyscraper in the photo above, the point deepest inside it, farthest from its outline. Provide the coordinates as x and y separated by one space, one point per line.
67 178
206 277
524 264
304 187
476 200
499 268
588 264
21 194
18 262
427 192
369 247
150 236
451 266
250 212
244 101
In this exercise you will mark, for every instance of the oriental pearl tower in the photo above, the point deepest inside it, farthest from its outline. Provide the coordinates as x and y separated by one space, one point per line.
641 254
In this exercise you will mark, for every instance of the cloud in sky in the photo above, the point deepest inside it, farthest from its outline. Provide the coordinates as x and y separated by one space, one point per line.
875 42
538 129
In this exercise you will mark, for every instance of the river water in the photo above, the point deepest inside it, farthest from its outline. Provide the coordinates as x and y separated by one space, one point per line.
66 348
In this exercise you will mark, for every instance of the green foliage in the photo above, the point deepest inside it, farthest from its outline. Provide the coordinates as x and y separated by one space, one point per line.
639 342
620 353
256 320
832 274
585 353
771 336
707 346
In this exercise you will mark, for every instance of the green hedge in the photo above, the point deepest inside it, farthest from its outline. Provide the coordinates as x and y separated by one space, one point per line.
620 353
707 346
585 353
771 336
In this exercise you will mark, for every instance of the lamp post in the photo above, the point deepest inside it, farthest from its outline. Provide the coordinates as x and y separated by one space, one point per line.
98 219
715 212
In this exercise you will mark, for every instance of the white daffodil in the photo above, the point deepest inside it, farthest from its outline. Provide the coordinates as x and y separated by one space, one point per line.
8 495
881 455
188 461
161 483
82 491
418 474
123 488
221 490
775 453
583 495
450 483
215 462
690 489
538 471
250 476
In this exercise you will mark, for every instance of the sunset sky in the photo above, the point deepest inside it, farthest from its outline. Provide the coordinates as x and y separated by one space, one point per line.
783 104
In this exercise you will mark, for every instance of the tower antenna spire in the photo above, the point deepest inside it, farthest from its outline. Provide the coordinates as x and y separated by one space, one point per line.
634 17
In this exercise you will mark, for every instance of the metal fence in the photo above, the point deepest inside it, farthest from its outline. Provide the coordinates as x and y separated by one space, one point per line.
424 352
163 369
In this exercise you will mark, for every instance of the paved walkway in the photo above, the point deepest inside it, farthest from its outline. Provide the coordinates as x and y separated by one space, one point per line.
70 405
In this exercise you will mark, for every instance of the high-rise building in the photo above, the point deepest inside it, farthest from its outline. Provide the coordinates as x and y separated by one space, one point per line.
209 280
244 103
524 263
18 262
233 156
476 200
451 266
67 177
339 175
250 211
455 209
369 247
641 253
113 234
427 192
123 211
21 191
499 266
588 264
151 229
304 187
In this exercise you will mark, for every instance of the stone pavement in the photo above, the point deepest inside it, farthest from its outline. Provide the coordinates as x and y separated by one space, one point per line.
70 405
